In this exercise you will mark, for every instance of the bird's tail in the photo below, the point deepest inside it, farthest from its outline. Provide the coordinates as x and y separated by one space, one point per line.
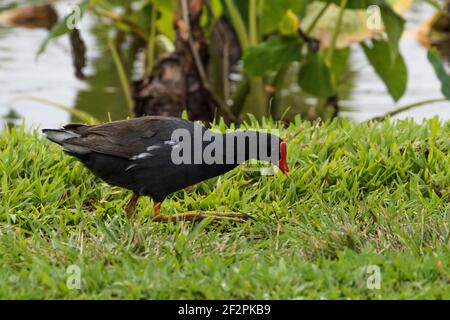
59 135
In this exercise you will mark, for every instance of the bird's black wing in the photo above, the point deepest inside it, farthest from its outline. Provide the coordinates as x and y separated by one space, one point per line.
127 139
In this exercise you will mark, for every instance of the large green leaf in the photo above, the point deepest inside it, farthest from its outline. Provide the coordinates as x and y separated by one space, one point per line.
392 70
64 26
394 26
166 17
436 61
271 55
315 77
339 64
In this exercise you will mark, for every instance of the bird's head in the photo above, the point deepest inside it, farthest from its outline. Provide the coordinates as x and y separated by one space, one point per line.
268 147
278 146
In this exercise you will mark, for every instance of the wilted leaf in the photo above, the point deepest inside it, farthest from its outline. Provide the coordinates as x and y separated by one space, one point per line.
355 27
31 17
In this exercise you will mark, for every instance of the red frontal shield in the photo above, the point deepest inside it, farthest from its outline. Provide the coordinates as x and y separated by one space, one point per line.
282 164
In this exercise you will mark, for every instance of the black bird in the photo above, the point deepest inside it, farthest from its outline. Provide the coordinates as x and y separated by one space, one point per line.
156 156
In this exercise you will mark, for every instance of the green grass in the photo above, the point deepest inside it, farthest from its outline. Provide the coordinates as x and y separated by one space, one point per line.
358 195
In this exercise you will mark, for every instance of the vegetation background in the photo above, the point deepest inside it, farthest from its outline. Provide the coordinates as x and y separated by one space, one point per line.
359 196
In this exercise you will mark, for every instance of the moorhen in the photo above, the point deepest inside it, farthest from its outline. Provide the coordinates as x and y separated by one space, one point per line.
156 156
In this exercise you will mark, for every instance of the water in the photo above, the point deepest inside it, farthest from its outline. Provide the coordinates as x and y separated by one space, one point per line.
368 98
51 77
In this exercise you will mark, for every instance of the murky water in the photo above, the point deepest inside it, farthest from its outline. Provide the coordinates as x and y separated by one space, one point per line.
51 77
368 97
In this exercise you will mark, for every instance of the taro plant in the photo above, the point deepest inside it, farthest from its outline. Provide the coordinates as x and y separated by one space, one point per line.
233 58
316 36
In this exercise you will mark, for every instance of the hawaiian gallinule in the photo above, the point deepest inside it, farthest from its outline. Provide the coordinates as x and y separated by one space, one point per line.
156 156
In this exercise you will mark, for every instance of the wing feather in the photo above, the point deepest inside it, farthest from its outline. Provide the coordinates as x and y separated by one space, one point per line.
126 138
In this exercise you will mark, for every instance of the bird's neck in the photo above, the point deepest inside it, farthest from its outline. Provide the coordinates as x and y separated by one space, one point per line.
246 145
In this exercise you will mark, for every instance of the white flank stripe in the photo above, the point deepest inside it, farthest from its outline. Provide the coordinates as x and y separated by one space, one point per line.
153 148
130 167
170 142
142 156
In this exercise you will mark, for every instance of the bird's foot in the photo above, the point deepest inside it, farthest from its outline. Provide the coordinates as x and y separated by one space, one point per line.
200 215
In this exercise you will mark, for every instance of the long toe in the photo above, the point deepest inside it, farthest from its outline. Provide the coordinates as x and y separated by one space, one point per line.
199 215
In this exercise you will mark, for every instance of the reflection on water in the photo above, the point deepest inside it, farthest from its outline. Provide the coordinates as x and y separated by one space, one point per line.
103 97
51 77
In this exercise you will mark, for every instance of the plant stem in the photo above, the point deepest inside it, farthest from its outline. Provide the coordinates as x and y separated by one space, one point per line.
408 107
256 100
337 29
116 18
122 75
277 83
238 24
317 18
261 20
252 21
152 40
255 90
80 114
199 64
197 59
240 94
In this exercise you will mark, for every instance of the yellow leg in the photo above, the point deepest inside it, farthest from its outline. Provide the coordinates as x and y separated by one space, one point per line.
131 205
197 215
